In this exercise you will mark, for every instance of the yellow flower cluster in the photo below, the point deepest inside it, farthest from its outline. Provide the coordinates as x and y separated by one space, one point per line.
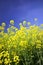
16 59
17 44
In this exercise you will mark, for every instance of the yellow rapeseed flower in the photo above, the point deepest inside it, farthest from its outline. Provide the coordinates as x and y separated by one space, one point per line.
12 22
6 54
16 59
3 24
6 61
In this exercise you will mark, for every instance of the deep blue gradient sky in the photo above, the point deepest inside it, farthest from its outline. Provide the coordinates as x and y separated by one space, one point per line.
20 10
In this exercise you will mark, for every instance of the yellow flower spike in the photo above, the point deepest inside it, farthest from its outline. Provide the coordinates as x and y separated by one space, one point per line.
11 22
3 24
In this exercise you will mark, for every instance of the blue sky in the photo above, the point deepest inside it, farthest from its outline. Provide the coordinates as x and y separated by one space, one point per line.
20 10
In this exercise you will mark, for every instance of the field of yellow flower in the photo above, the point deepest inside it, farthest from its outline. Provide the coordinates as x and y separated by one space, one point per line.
22 46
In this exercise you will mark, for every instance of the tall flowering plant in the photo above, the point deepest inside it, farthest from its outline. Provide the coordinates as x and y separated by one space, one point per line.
22 46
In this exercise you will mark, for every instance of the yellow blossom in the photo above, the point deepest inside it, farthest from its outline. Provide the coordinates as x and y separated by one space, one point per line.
6 61
11 21
16 59
23 43
3 24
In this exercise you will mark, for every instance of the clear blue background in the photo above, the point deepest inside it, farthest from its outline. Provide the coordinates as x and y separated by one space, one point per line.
20 10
